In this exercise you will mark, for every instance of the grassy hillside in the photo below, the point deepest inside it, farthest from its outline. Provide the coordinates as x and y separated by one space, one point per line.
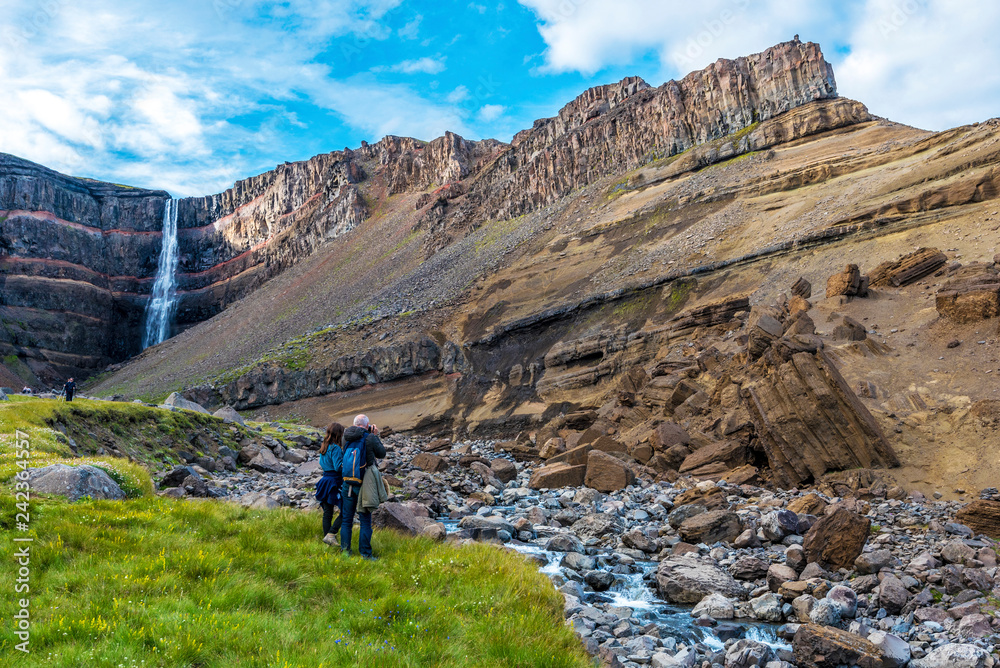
151 582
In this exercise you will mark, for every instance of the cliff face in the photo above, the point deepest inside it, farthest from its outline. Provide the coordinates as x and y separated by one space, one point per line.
78 257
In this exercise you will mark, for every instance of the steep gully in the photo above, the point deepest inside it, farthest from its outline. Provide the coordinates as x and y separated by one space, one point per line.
78 257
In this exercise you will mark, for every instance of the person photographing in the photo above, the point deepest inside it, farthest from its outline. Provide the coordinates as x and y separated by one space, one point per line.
362 446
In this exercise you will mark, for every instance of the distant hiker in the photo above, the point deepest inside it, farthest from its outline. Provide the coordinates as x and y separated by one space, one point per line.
328 488
26 390
69 388
362 447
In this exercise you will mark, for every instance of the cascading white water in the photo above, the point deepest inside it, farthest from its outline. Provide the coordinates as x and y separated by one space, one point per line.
163 299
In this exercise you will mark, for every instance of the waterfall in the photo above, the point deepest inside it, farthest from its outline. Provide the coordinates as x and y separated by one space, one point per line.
163 299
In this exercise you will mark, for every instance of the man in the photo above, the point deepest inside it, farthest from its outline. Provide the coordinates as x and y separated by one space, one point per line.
363 435
69 388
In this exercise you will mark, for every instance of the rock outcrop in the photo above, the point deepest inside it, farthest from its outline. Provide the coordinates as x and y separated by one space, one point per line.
810 422
971 294
75 482
907 269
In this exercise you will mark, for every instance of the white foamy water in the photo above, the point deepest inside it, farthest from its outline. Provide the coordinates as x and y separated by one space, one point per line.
163 298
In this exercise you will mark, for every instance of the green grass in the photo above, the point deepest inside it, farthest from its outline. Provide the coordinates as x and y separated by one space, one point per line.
153 582
146 436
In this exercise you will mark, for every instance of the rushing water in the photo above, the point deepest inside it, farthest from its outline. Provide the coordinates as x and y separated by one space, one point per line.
163 299
634 591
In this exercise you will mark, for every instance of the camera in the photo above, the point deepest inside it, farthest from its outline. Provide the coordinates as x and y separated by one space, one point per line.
371 428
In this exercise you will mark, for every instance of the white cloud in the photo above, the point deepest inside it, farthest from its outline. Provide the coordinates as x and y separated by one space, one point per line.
460 94
412 29
418 66
928 64
924 62
490 112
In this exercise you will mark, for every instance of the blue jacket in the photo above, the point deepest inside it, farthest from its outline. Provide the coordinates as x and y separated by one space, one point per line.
333 458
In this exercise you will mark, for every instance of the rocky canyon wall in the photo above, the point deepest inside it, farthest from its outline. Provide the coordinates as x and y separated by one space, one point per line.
78 257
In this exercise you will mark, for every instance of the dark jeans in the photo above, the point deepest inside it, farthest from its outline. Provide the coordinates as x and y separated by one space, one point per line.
349 499
328 509
69 396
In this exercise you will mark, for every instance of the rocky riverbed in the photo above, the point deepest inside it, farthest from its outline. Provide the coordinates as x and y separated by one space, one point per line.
685 573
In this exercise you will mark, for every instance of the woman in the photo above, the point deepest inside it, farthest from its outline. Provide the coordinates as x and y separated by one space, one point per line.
328 487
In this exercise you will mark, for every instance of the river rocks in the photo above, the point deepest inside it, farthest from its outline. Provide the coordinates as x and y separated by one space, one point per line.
711 527
599 580
957 552
607 473
908 268
176 476
826 647
955 655
558 475
779 574
892 594
778 524
228 415
177 401
748 567
503 469
688 579
825 613
982 516
595 526
837 539
894 650
873 562
74 482
845 599
767 608
637 540
715 606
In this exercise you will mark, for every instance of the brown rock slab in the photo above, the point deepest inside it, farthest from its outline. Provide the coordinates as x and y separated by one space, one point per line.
607 473
809 421
438 445
712 527
818 646
981 516
503 469
802 288
810 504
430 463
728 454
575 457
971 295
667 435
846 283
907 269
837 539
558 475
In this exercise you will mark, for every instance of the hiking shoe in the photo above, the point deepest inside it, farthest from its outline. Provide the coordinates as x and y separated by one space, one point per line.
370 557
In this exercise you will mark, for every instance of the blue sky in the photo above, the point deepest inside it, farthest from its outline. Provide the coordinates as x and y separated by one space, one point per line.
191 95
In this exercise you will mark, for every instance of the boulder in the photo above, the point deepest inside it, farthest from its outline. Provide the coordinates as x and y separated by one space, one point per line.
688 579
554 446
818 646
74 482
668 434
837 539
425 461
176 476
680 514
907 269
955 655
438 445
557 475
503 469
716 458
892 594
607 473
778 524
873 562
982 516
177 401
846 283
810 504
637 540
229 415
266 462
809 421
574 457
779 574
845 599
767 608
717 526
802 288
971 295
248 452
715 606
396 516
894 650
596 526
849 329
494 522
748 567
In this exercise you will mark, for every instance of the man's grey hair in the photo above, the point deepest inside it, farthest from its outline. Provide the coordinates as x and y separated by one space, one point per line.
361 421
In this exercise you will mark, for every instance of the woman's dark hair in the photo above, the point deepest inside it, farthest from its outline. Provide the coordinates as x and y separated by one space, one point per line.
334 434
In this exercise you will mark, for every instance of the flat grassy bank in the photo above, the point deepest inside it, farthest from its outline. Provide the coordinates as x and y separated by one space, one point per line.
153 582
